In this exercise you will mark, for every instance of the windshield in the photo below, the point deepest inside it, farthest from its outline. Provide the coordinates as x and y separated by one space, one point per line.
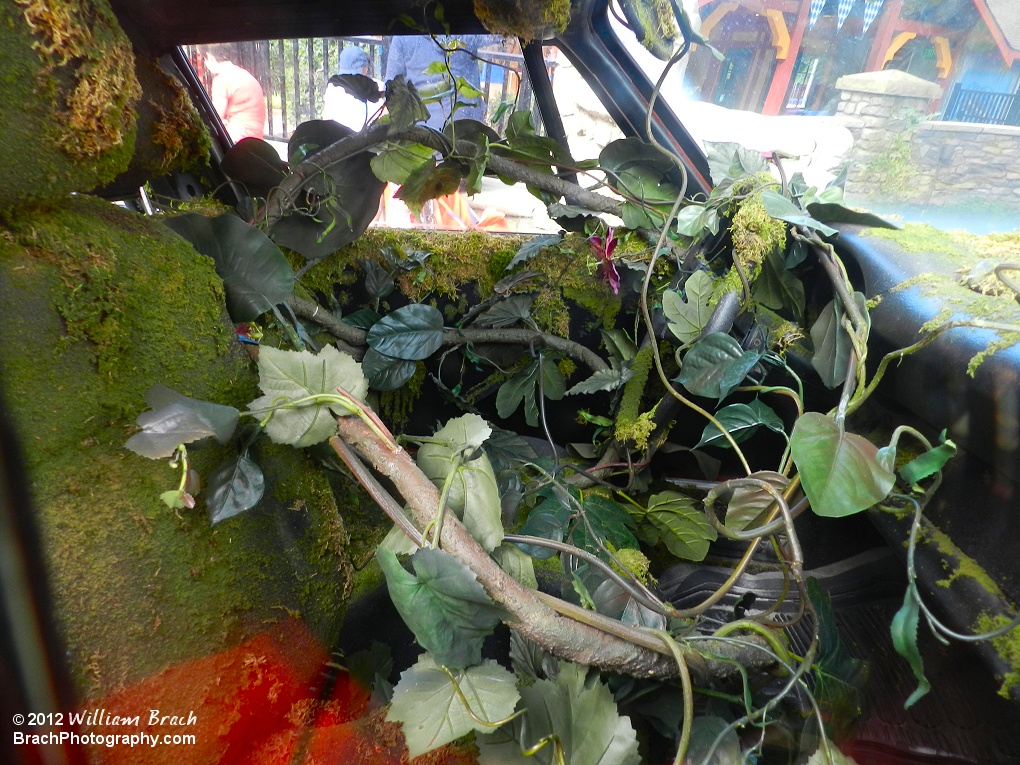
916 99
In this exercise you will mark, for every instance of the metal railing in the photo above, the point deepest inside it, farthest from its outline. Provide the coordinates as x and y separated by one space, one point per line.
982 107
294 73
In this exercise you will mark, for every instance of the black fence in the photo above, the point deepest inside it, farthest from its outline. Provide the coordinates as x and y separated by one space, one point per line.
293 74
979 106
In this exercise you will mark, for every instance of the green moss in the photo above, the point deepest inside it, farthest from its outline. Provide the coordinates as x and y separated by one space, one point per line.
755 233
527 19
68 95
634 562
1008 648
633 426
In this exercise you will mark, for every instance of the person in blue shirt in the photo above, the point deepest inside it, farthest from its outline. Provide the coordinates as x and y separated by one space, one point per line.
411 56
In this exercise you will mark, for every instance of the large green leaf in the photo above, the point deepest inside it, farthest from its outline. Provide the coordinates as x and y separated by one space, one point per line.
731 161
548 520
580 714
715 365
638 170
443 604
607 520
678 524
404 104
412 332
512 310
833 212
397 160
429 181
385 372
904 637
256 165
255 274
523 387
295 375
832 344
235 487
781 208
740 421
459 459
178 419
748 502
688 317
432 712
778 288
840 472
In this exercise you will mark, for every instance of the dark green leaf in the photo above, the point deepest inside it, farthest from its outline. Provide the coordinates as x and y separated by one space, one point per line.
255 274
403 104
362 319
928 463
507 312
603 379
429 181
840 679
731 161
515 390
533 247
839 471
385 372
412 332
443 604
832 344
904 637
235 487
580 714
637 169
176 419
312 136
781 208
740 421
682 527
778 288
549 521
606 520
469 130
378 283
360 86
517 564
829 212
433 713
715 365
254 164
689 316
398 160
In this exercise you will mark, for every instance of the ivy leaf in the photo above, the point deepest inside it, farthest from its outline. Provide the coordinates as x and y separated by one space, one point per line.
679 525
255 274
781 208
178 419
235 487
580 714
715 365
777 288
688 317
840 471
740 421
385 372
748 502
507 312
295 375
443 604
533 247
413 332
928 463
432 712
473 493
398 160
904 637
832 344
603 379
404 104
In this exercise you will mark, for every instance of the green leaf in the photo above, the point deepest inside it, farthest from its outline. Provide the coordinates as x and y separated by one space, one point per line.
749 502
507 312
778 288
429 181
638 170
443 604
385 372
731 161
533 247
178 419
831 212
524 387
682 527
693 220
235 487
547 520
517 564
688 317
840 471
294 375
363 318
928 463
473 495
404 104
378 283
715 365
603 379
397 160
433 713
580 714
255 274
781 208
256 165
607 520
904 637
413 332
832 344
740 421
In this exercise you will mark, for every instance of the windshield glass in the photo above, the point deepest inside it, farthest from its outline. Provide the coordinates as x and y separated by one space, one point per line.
917 99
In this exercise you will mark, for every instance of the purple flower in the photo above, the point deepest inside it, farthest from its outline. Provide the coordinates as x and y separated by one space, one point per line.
604 247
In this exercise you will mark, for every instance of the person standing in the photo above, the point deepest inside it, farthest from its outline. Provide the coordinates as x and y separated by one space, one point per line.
236 94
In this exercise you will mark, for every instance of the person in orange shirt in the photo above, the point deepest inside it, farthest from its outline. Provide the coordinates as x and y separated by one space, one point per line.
236 94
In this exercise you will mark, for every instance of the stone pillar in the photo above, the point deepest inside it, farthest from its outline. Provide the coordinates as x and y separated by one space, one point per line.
882 109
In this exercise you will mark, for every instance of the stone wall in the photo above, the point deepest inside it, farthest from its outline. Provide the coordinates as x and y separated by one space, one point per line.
901 155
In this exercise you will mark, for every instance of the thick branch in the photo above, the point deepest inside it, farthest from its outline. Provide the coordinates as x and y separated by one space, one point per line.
530 615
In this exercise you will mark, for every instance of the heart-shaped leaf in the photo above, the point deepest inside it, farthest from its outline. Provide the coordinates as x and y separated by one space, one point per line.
235 487
398 160
413 332
740 421
443 604
748 502
715 365
840 472
255 274
832 344
433 712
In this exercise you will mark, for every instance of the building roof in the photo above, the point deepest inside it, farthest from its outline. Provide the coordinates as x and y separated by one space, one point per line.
1003 20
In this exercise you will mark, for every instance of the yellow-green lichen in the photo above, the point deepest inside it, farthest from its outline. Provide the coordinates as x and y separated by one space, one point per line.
635 563
1008 648
527 19
755 233
633 426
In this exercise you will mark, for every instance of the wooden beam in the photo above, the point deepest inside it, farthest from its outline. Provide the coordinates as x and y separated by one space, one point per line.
776 97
